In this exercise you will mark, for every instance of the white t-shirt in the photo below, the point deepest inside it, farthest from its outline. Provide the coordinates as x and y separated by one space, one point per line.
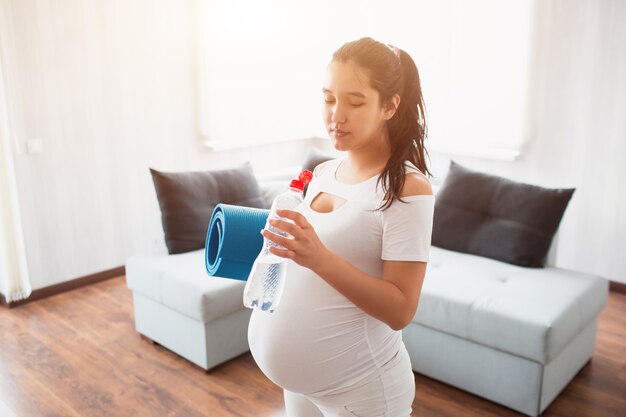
317 341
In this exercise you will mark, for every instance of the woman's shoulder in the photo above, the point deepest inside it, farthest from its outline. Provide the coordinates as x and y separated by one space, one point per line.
415 182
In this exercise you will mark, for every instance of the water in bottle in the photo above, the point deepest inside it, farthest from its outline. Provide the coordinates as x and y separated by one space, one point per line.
265 283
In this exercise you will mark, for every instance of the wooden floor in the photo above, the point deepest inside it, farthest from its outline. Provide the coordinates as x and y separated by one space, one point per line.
77 354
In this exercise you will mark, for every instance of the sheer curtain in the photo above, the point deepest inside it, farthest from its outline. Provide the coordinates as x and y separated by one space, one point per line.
14 283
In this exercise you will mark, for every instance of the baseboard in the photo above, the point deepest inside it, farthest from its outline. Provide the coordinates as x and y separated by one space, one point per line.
617 287
67 286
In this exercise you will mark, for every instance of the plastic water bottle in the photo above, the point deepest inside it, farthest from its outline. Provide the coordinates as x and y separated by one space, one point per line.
267 278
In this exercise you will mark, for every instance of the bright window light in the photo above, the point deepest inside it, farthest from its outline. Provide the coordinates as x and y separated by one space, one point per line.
261 65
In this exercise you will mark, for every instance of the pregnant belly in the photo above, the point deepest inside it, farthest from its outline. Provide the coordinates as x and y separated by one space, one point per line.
315 341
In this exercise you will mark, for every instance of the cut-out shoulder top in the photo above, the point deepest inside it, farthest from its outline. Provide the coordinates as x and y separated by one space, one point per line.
317 341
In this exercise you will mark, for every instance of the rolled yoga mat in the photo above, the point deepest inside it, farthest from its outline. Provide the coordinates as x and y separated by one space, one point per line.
233 240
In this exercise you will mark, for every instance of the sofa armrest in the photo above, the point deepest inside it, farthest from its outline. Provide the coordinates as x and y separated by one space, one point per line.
270 189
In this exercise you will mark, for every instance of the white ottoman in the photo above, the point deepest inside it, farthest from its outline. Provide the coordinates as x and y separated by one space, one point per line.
180 307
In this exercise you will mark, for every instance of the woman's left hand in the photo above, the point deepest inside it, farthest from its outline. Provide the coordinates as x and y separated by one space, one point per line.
305 247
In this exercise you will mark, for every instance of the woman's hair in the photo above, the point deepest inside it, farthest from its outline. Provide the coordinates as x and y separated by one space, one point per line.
392 71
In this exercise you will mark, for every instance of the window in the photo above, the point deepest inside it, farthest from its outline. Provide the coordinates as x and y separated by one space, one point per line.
261 67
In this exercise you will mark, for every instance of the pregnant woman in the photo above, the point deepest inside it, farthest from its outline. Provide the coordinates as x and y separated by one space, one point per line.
358 248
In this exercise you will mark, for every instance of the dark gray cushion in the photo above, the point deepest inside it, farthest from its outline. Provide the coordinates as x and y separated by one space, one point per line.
187 200
498 218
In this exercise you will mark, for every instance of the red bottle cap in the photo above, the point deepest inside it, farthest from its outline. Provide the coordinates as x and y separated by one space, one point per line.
304 178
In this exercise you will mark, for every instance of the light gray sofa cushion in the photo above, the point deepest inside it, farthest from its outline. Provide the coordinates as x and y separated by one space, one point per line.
532 313
182 283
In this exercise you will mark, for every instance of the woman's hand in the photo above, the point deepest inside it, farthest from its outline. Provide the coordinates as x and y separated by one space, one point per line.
305 247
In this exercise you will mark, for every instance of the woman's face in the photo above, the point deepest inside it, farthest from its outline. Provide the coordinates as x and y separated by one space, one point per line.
353 115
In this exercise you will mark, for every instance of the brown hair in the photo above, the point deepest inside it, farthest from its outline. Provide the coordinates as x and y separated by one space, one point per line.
392 71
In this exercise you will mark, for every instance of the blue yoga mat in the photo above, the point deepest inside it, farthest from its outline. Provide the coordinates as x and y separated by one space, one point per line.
233 240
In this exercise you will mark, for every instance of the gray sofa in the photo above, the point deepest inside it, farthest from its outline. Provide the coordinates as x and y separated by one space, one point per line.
513 335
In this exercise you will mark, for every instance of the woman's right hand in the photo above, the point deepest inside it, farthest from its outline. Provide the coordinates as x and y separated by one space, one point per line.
304 247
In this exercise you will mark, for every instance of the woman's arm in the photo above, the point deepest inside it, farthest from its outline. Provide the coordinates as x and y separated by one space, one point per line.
392 299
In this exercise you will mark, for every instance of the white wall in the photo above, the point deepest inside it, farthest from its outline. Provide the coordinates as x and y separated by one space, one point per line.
111 88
